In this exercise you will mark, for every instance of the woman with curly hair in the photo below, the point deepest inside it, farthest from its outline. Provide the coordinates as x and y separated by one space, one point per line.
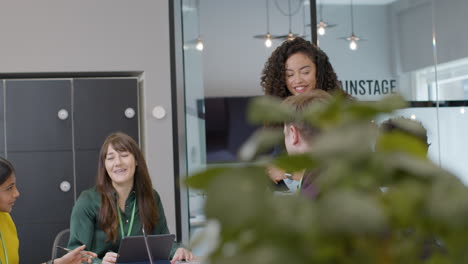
298 66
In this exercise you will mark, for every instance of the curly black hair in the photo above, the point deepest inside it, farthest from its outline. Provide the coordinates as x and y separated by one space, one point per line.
273 78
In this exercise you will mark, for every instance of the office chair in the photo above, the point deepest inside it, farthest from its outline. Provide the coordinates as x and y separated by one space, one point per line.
60 240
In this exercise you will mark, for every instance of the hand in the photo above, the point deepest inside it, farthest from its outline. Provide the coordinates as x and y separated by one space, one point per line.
182 253
110 258
275 174
75 257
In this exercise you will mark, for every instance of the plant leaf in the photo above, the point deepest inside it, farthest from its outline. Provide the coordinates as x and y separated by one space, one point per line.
268 110
262 140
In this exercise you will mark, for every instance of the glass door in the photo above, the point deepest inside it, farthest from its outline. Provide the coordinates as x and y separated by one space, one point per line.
225 46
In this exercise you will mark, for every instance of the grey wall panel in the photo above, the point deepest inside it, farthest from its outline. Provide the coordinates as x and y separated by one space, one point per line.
40 146
36 241
38 177
2 120
42 209
100 106
86 169
31 115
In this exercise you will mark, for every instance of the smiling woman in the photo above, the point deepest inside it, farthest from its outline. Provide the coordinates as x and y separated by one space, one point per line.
300 74
9 242
298 66
8 195
122 203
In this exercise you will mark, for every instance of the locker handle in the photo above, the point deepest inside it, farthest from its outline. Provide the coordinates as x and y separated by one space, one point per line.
62 114
65 186
129 113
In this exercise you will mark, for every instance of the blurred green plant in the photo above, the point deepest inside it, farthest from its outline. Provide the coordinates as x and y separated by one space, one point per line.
381 199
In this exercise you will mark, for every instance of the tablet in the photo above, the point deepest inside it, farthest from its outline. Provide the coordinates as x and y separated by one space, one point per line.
133 248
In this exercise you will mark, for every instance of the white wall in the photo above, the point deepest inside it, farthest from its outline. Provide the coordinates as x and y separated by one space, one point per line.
373 60
450 24
447 144
105 35
413 30
232 59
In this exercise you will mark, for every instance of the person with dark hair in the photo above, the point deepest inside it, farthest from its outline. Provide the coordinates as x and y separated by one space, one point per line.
299 137
121 204
298 66
8 236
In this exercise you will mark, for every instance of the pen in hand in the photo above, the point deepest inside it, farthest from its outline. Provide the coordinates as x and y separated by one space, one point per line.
69 250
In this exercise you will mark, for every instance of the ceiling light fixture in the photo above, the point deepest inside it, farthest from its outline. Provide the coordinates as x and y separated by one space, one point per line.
353 39
267 37
290 35
200 44
322 25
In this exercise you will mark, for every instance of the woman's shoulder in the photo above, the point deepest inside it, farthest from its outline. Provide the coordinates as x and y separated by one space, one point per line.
156 195
89 193
89 197
6 222
5 217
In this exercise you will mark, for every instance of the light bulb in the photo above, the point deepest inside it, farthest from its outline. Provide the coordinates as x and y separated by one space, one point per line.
290 36
353 45
462 110
321 30
413 116
199 44
268 42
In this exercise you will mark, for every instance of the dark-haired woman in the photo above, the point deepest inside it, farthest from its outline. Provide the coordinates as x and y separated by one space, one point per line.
122 202
9 243
298 66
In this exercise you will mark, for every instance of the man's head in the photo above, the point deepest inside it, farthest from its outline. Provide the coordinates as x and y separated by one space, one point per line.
407 127
298 135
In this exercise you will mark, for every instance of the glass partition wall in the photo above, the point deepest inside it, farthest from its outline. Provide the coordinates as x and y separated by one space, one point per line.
225 46
377 47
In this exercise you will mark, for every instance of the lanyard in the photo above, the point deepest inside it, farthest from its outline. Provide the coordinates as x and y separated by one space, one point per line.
131 220
4 248
300 184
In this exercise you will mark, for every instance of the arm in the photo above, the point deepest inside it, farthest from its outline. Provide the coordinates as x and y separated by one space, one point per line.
75 257
82 223
276 174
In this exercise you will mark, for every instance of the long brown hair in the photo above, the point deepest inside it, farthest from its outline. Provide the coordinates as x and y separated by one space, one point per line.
108 218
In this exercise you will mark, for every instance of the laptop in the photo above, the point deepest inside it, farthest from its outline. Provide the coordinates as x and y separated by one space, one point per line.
133 248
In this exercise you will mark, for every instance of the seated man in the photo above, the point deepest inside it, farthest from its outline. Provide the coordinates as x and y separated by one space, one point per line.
299 137
407 127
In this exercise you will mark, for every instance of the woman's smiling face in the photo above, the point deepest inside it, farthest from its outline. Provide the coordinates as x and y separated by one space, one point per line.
8 194
300 74
120 166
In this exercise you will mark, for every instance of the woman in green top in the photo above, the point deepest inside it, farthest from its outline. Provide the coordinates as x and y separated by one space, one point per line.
121 204
9 243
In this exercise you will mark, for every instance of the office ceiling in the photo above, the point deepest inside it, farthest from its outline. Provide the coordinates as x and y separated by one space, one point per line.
356 2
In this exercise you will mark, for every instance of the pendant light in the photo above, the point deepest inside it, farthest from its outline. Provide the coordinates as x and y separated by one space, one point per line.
304 23
353 39
322 25
267 37
199 46
290 35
